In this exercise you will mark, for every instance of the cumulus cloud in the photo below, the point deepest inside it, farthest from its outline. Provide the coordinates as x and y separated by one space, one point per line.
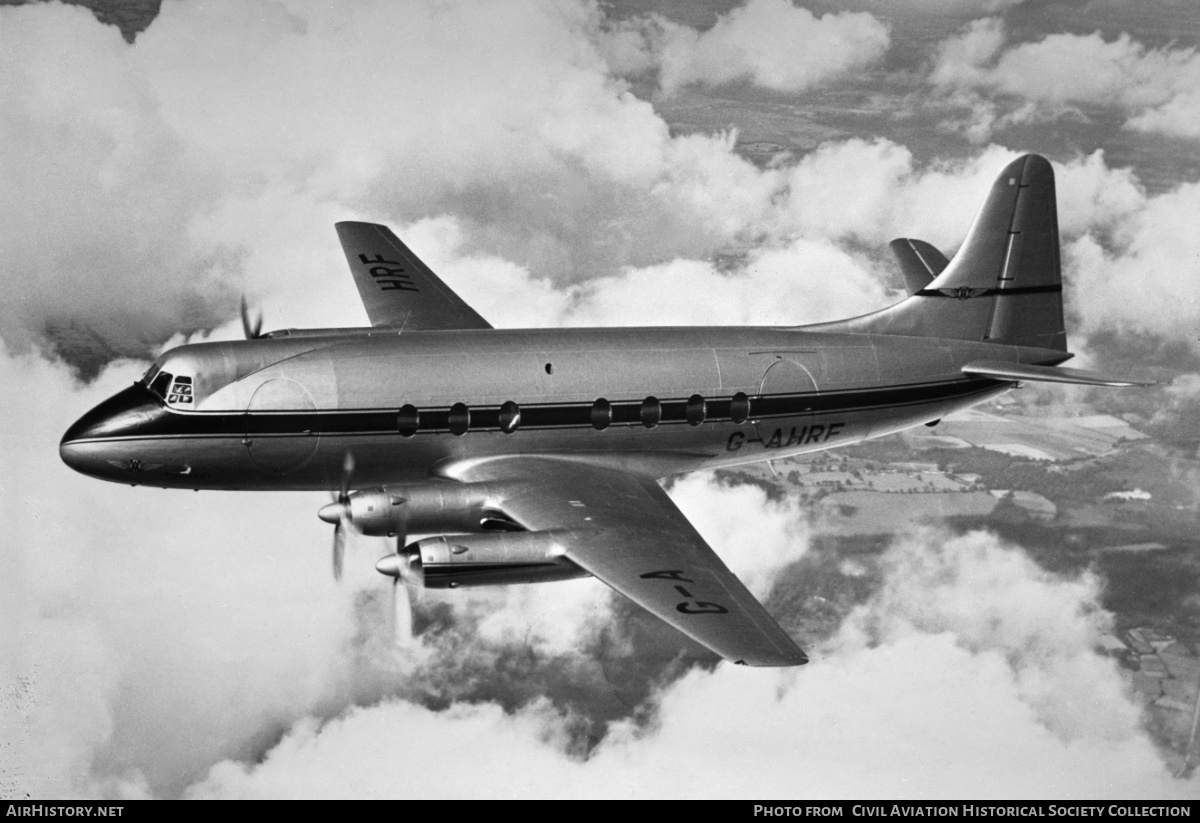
212 158
772 43
937 686
1158 89
1138 282
97 188
133 674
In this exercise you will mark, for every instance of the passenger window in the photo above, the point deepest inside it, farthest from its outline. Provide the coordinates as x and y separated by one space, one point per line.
651 412
601 415
408 420
460 418
510 417
739 408
697 409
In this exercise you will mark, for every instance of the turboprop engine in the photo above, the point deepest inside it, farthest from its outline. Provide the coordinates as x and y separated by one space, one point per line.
389 511
448 562
502 554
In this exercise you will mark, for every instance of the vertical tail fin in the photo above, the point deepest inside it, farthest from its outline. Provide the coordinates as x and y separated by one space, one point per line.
1005 283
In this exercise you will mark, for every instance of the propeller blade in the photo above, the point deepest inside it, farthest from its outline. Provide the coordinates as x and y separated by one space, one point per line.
339 549
402 613
407 584
252 328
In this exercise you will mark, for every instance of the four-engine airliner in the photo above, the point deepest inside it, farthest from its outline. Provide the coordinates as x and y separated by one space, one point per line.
534 454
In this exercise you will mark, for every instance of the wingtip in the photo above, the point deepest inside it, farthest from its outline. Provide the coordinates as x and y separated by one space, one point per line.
796 658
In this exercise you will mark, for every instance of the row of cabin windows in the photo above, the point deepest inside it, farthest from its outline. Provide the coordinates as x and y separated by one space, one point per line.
650 413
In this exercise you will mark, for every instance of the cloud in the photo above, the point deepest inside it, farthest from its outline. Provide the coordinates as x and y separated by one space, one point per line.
772 43
1135 283
1158 89
807 264
212 159
96 188
891 196
936 687
134 672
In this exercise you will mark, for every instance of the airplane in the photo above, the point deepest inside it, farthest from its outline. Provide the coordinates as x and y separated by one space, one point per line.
534 454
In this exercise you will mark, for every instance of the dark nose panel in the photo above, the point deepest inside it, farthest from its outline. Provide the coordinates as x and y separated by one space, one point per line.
127 413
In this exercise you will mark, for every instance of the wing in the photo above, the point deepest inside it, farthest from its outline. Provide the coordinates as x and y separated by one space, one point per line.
625 530
397 289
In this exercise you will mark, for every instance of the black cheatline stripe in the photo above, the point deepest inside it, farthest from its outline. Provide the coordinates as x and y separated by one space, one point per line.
573 415
968 292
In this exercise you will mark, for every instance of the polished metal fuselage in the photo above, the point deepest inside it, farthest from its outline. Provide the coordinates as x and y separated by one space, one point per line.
282 413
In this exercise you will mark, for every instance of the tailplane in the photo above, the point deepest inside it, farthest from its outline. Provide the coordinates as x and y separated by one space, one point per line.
1005 283
920 262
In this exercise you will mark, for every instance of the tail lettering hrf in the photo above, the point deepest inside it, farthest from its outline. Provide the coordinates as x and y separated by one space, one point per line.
1005 283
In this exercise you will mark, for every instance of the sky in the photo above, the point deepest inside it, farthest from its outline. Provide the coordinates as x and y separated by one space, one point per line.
558 164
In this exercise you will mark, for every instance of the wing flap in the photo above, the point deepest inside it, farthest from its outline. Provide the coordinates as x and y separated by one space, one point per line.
625 530
1001 370
397 289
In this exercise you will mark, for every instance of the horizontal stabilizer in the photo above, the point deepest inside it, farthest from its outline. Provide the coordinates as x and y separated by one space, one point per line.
919 262
1001 370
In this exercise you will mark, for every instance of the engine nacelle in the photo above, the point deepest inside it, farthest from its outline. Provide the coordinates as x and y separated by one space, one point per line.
491 559
431 507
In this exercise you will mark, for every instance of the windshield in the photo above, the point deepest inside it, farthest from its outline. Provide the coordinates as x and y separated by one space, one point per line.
160 383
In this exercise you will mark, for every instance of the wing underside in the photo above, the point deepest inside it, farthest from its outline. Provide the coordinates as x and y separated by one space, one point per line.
397 289
625 530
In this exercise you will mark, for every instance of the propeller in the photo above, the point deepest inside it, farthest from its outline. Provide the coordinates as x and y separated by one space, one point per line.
251 327
338 513
404 567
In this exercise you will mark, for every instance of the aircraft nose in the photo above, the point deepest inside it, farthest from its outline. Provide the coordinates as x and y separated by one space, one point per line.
127 413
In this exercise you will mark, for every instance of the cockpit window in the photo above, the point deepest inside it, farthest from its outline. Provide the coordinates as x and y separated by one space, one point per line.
148 377
181 390
160 384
